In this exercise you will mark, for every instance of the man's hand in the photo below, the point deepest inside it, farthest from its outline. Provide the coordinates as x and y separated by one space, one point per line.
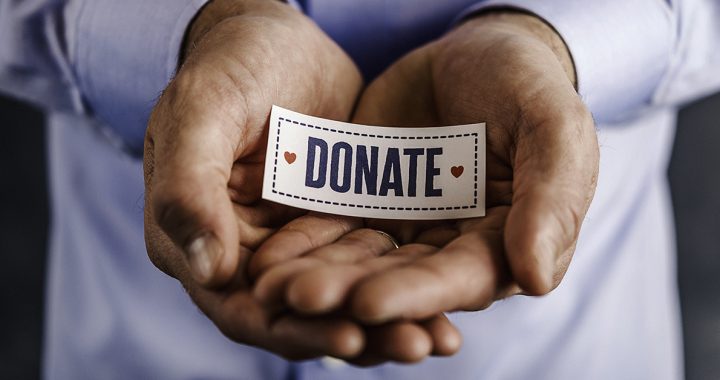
204 158
205 145
512 71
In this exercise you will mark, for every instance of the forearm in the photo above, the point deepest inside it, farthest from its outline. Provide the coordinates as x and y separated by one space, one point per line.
217 11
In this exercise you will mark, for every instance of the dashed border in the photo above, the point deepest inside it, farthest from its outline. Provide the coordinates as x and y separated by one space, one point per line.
277 150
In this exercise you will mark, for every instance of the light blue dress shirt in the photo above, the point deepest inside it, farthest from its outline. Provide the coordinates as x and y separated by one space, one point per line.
97 67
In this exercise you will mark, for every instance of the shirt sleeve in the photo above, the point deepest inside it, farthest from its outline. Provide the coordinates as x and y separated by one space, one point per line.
123 54
629 54
28 70
108 59
105 58
694 68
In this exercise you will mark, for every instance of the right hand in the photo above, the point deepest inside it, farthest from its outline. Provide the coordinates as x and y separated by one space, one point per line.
204 161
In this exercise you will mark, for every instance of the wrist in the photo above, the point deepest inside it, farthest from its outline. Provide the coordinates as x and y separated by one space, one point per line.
215 12
529 25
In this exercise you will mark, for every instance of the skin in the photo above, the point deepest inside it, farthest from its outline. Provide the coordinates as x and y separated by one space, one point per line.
203 164
513 72
296 283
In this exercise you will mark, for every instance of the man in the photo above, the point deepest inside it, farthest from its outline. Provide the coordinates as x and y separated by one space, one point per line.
275 278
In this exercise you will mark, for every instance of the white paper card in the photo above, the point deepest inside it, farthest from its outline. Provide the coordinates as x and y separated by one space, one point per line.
377 172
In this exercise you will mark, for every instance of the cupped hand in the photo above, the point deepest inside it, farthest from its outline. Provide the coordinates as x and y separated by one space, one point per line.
204 159
513 72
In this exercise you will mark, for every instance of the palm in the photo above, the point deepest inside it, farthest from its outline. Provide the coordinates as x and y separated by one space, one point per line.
411 94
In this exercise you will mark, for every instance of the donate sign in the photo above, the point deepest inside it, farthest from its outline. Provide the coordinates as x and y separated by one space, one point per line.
379 172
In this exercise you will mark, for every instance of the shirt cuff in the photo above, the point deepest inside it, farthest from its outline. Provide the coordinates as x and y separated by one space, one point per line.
621 48
123 54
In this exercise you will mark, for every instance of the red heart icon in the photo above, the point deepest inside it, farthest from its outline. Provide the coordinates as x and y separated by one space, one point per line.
290 157
457 171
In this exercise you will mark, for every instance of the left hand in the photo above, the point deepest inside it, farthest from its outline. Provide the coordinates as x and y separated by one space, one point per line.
513 72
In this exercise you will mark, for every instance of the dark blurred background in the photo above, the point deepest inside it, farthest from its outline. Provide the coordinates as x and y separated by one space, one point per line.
694 177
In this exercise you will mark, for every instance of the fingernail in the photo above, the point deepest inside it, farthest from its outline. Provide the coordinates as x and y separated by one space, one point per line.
201 255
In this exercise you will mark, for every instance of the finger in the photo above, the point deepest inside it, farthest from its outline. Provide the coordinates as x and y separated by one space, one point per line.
300 236
240 317
256 223
383 341
335 337
401 341
323 289
354 247
446 337
467 274
438 236
556 166
320 290
192 150
267 214
405 231
350 248
271 287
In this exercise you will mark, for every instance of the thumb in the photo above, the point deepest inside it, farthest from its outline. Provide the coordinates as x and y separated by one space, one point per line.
555 172
189 156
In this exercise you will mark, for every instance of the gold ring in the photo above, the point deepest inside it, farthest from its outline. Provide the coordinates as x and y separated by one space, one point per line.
389 237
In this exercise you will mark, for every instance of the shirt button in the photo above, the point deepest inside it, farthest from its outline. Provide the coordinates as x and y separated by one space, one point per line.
332 363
